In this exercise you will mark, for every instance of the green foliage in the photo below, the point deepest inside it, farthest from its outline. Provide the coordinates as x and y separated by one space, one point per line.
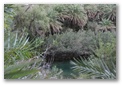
75 16
72 41
30 29
20 70
106 45
37 22
70 9
106 22
19 62
107 9
84 41
30 69
90 7
9 13
102 64
18 47
95 69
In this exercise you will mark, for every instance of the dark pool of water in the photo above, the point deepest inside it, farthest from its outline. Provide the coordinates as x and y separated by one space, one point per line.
66 66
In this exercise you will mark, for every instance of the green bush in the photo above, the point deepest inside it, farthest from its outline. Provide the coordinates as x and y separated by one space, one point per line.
66 28
37 20
106 45
72 41
102 64
81 41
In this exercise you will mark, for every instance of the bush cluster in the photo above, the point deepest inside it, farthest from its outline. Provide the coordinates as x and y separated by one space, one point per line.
66 28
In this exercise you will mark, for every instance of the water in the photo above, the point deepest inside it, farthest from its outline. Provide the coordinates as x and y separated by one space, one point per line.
66 66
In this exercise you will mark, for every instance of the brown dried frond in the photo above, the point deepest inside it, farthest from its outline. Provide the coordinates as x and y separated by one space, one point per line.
72 21
55 28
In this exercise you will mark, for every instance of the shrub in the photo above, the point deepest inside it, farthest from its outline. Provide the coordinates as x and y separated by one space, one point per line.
66 31
102 63
72 41
39 20
106 45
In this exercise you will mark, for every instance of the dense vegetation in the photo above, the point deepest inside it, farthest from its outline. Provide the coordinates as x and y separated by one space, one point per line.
37 36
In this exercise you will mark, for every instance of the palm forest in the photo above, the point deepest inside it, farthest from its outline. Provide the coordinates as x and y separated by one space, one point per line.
59 41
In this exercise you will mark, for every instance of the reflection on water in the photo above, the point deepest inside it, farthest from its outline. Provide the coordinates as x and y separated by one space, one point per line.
66 66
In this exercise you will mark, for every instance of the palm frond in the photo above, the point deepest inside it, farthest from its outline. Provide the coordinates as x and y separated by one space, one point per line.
19 47
20 74
96 68
21 69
